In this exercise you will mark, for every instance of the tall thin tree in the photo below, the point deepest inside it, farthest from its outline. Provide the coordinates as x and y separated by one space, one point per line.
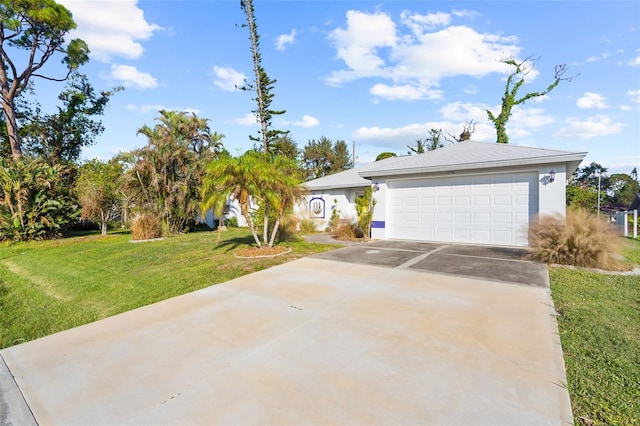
263 84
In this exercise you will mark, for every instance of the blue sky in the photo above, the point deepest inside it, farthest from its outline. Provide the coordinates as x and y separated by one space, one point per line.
378 73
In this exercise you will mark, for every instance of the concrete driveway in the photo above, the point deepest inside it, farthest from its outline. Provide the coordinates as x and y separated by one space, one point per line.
314 341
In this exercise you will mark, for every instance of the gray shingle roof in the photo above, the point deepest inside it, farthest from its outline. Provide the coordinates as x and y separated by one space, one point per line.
470 155
347 179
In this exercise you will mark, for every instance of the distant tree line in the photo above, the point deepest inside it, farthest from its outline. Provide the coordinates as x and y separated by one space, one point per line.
617 190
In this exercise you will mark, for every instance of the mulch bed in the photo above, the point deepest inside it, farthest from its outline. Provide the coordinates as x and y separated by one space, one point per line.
253 252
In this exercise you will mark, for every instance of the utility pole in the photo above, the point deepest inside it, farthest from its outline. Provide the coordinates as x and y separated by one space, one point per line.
353 151
599 178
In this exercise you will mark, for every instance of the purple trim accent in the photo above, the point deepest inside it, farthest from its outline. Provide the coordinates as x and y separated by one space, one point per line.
377 224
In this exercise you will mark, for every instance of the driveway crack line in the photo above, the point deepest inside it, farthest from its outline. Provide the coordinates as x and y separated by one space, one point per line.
411 262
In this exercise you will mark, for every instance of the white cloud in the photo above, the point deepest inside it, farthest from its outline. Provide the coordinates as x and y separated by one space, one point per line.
591 127
529 119
420 23
603 56
635 62
357 45
406 133
307 121
110 30
465 13
228 78
283 39
634 95
470 89
405 92
522 122
249 119
592 100
130 77
464 111
147 108
397 138
415 53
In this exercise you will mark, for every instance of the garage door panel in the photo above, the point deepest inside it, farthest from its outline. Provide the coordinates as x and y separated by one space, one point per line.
462 201
428 217
503 237
482 200
444 217
521 218
427 201
505 218
444 201
522 199
473 209
482 218
480 235
412 232
411 201
462 218
462 234
410 217
502 200
444 234
396 202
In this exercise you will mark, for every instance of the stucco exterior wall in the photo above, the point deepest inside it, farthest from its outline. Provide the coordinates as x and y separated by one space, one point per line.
319 206
552 196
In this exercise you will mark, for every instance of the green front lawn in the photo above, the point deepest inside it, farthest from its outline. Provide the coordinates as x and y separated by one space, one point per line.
599 323
50 286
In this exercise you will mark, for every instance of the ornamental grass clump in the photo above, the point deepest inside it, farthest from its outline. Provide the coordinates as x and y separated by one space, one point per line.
579 240
308 226
145 226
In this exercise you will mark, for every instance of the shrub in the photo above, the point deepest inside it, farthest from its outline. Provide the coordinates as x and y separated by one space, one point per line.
231 222
364 206
308 226
288 227
36 201
347 231
334 220
579 240
145 226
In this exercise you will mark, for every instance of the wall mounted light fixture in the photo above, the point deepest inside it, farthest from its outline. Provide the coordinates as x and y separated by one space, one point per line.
552 175
376 187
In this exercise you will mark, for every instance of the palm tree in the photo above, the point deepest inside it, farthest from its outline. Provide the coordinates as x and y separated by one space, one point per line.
169 169
236 178
272 182
286 188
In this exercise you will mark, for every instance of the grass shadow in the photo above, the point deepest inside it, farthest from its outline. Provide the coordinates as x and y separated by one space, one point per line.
235 242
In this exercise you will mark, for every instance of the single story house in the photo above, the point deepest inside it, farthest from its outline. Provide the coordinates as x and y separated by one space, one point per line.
468 192
333 193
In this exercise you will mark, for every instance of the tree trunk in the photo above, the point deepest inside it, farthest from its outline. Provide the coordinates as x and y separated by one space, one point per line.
103 227
275 230
265 225
12 130
253 230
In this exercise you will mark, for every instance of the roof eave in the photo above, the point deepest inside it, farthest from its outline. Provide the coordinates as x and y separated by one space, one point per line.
341 186
569 158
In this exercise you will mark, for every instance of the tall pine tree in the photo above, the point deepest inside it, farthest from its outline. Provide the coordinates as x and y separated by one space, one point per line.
263 85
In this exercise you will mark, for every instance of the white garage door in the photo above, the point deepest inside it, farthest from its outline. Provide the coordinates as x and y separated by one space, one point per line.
490 209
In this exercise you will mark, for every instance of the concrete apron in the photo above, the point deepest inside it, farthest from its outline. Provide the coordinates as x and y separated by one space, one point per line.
310 341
